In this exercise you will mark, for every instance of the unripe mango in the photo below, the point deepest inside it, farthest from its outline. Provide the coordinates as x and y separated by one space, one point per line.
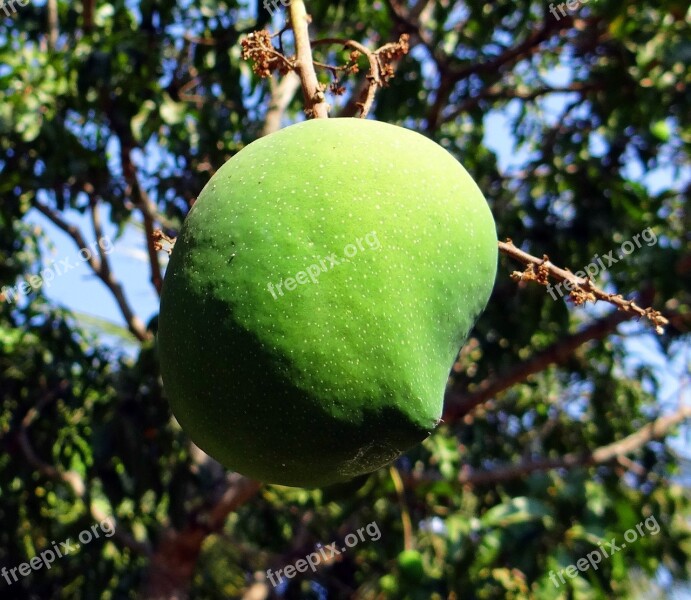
317 295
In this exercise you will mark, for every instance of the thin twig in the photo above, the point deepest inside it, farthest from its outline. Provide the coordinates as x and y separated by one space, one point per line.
149 213
580 290
161 239
258 47
408 539
381 70
373 78
137 192
135 325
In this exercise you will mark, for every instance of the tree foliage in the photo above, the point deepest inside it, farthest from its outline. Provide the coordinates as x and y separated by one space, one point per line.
555 438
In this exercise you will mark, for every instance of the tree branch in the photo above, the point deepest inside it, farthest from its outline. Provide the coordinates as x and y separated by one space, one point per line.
148 211
172 565
526 48
381 70
580 290
259 48
497 93
240 489
88 15
135 190
282 94
459 404
52 15
98 232
135 325
652 431
315 100
406 522
410 21
450 76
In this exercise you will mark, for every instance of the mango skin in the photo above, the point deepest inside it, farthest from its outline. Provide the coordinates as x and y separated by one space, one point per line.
336 378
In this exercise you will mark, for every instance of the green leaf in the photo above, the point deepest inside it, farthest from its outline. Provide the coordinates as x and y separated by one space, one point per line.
517 510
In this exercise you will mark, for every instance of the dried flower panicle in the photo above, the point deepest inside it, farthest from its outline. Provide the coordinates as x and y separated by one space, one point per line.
258 48
390 53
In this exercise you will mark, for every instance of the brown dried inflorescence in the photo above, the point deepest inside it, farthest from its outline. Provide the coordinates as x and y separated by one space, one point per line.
258 48
389 54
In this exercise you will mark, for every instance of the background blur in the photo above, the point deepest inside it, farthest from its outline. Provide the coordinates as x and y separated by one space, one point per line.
113 115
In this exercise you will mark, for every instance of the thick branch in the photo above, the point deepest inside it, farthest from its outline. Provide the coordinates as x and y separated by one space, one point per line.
652 431
88 15
239 491
581 290
315 100
173 564
282 94
459 404
451 76
52 14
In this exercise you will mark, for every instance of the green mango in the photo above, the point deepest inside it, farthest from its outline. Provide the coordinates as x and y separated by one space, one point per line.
411 566
316 298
